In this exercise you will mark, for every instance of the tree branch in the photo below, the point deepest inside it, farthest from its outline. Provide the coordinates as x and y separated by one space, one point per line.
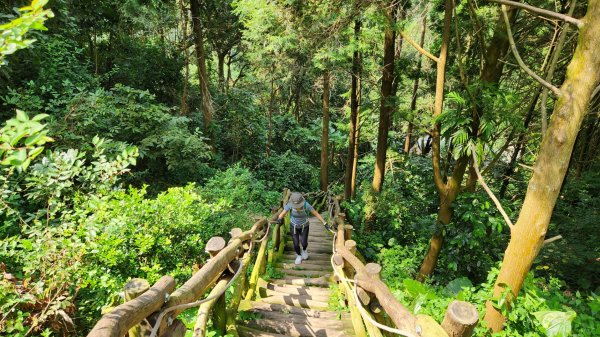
489 192
417 47
552 239
553 62
523 66
541 11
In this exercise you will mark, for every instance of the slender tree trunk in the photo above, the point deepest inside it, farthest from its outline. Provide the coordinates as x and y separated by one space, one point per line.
356 143
528 234
186 60
445 190
325 134
449 189
221 70
386 106
587 139
356 65
270 112
413 101
207 108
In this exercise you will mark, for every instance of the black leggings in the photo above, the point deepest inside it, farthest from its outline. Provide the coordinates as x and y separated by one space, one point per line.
299 236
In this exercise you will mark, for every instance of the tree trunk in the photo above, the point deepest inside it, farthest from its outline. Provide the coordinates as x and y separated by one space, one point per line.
207 108
386 106
356 65
221 70
444 192
270 112
413 101
325 133
529 231
186 60
356 142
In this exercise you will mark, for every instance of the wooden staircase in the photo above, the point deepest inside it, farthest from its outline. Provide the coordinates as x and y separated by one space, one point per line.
297 304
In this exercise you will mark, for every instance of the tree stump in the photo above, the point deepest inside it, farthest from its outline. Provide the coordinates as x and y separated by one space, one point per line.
461 319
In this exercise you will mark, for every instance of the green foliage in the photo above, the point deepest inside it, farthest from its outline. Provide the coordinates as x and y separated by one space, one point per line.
22 139
12 33
124 114
288 170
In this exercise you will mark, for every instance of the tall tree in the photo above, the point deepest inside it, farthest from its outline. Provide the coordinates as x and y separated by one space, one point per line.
413 100
527 235
449 188
354 105
207 106
387 105
324 179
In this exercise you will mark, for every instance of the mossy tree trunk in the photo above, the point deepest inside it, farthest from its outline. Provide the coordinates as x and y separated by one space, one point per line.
324 179
354 104
552 162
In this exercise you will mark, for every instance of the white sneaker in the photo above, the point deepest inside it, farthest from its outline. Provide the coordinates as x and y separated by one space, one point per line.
304 254
298 259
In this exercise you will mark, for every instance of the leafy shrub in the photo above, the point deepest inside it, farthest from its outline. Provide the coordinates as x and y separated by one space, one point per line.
288 170
167 147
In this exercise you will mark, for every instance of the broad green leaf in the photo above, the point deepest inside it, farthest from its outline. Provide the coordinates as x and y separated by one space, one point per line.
556 323
455 286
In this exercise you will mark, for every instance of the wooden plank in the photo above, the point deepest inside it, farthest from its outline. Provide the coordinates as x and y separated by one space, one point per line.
117 322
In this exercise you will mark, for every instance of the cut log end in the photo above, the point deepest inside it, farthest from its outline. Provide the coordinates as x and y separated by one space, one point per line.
461 319
135 288
338 260
373 269
235 232
350 245
215 245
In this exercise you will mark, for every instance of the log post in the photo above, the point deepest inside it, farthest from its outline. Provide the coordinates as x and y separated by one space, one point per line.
134 289
373 270
350 245
363 296
205 309
214 246
348 232
239 288
461 319
177 329
256 271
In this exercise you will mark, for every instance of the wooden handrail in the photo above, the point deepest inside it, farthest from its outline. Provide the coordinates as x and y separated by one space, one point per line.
118 321
122 318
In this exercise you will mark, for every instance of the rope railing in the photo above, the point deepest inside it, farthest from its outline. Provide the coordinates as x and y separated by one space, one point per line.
460 318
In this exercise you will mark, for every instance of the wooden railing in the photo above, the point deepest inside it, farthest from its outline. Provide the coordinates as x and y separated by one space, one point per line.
158 306
153 311
372 305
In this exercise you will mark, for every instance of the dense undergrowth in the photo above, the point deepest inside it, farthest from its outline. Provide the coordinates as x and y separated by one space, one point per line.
406 210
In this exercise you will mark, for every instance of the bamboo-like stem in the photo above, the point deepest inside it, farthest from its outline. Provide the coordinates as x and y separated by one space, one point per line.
417 47
541 11
522 64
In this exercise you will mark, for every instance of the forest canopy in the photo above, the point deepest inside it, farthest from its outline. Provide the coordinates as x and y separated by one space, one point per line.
462 137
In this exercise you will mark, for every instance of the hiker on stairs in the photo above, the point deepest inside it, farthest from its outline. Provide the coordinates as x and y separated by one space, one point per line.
299 224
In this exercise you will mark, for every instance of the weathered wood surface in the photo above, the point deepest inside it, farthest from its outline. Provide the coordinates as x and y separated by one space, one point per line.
205 308
239 289
461 319
122 318
399 314
197 285
133 289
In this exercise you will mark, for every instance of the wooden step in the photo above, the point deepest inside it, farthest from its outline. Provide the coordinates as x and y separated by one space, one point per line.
257 306
265 292
297 301
297 327
306 264
312 255
303 273
296 290
322 281
313 248
245 331
318 322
